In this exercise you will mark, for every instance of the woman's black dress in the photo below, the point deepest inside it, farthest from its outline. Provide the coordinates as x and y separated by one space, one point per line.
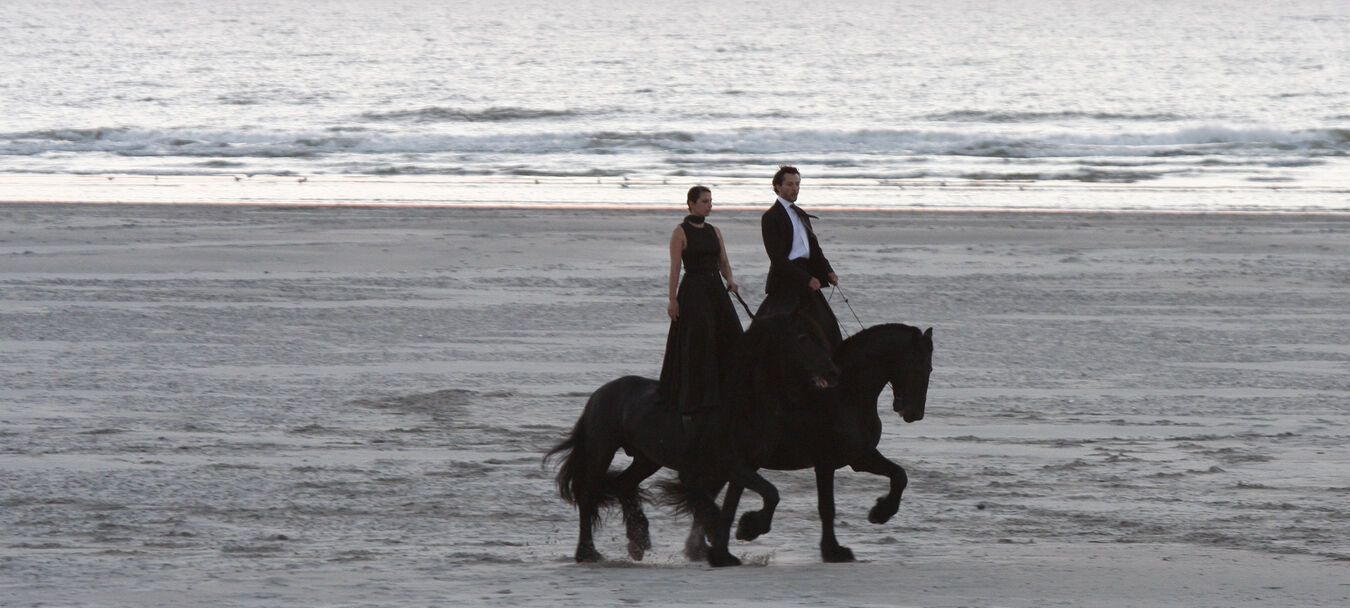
700 340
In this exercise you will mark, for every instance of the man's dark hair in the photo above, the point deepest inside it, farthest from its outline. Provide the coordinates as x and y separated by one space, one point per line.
783 170
694 193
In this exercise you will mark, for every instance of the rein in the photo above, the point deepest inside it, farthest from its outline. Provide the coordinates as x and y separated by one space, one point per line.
743 304
834 288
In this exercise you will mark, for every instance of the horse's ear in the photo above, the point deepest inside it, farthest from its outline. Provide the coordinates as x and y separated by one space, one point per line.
928 333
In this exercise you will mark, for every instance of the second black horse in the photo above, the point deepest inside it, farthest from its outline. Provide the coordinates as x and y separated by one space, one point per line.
841 428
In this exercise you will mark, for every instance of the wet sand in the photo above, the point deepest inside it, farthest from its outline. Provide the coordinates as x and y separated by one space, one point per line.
237 405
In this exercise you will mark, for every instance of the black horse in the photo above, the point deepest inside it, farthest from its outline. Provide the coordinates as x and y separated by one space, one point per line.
842 428
778 361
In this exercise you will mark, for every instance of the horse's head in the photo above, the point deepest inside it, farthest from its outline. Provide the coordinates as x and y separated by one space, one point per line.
909 375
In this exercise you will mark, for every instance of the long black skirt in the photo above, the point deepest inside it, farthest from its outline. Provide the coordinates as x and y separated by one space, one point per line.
699 344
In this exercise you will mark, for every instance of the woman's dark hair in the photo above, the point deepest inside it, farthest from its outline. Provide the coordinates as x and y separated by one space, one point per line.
694 193
783 170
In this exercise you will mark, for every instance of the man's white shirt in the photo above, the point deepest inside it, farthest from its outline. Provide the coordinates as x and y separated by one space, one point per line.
801 248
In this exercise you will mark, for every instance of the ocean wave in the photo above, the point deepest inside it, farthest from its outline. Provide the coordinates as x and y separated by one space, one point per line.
1003 116
1339 135
1271 146
1197 141
440 114
64 135
660 139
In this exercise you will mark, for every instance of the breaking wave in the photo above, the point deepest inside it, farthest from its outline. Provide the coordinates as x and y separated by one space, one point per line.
440 114
1211 140
996 116
558 148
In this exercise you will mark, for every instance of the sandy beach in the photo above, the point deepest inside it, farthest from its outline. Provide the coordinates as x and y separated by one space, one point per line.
257 406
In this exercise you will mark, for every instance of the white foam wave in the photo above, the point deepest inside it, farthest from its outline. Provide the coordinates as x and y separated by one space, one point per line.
1002 116
443 114
186 142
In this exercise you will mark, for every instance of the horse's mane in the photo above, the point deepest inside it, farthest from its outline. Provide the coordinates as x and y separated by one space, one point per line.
862 344
763 338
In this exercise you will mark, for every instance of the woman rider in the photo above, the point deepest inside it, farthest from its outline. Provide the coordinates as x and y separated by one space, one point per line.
703 322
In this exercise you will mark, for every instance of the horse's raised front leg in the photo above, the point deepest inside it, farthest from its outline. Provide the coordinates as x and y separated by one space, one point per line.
755 523
625 486
730 503
830 549
887 505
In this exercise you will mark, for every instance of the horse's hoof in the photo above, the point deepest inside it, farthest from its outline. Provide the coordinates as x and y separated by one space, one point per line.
588 555
722 561
696 551
836 555
883 511
639 540
752 525
638 550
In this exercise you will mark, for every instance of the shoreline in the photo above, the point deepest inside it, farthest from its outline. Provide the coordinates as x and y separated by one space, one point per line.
844 194
675 209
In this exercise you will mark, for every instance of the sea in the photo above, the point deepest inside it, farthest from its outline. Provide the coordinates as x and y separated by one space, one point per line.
1204 105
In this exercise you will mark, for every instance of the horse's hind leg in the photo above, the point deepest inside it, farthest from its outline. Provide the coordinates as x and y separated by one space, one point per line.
589 501
625 486
590 515
593 494
889 504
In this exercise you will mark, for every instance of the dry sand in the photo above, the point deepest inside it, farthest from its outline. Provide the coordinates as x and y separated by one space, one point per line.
346 406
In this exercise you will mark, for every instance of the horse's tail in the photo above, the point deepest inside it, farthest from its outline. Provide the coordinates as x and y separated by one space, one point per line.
571 471
580 477
679 496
